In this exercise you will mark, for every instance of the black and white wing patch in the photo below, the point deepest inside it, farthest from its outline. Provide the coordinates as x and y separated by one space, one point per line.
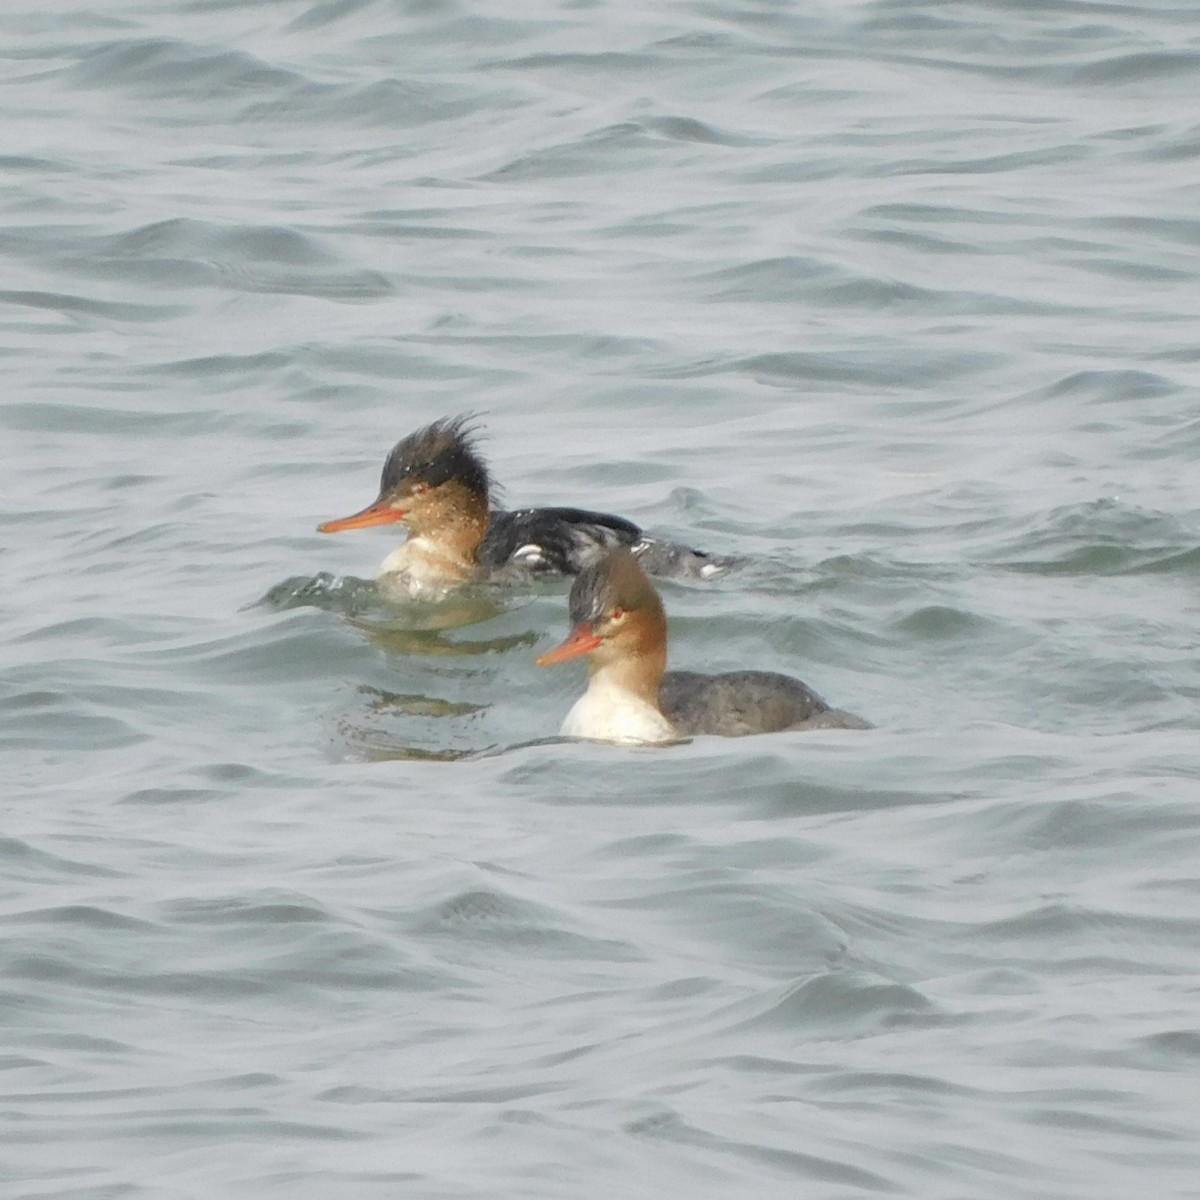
553 540
562 541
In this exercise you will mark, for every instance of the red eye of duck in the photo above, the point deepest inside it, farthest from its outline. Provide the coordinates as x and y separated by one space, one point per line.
617 614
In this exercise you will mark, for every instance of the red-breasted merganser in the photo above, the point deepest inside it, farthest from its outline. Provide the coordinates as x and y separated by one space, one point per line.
436 483
618 621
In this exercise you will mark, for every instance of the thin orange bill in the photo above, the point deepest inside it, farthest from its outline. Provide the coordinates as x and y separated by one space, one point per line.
581 641
379 513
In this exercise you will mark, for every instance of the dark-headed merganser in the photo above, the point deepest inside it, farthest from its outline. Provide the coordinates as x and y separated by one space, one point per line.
618 621
436 483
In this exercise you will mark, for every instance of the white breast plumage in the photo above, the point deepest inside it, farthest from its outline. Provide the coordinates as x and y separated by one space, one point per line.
607 714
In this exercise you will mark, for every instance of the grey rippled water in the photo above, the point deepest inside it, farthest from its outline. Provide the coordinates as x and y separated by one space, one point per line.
897 302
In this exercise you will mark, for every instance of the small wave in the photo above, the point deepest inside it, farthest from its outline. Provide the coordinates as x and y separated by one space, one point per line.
1100 537
167 66
334 593
184 252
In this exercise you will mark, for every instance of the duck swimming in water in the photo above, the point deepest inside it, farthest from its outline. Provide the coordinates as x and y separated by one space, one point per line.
436 483
619 624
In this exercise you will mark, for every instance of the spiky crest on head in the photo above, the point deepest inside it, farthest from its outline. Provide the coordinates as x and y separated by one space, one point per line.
442 451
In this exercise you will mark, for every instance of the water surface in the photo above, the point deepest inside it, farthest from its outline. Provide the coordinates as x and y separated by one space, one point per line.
895 301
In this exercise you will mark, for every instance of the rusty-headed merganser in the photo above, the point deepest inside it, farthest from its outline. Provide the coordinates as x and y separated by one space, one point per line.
436 483
618 621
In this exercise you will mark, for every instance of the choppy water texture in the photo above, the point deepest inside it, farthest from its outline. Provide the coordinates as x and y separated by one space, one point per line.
898 301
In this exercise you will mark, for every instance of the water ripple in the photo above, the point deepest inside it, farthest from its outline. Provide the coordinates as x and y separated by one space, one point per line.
894 302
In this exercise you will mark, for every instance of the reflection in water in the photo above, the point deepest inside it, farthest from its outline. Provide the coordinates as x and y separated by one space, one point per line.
385 703
430 643
374 733
387 750
399 626
366 739
410 725
468 607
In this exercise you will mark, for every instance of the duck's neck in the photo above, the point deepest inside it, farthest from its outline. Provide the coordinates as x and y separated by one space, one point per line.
637 674
621 701
444 533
